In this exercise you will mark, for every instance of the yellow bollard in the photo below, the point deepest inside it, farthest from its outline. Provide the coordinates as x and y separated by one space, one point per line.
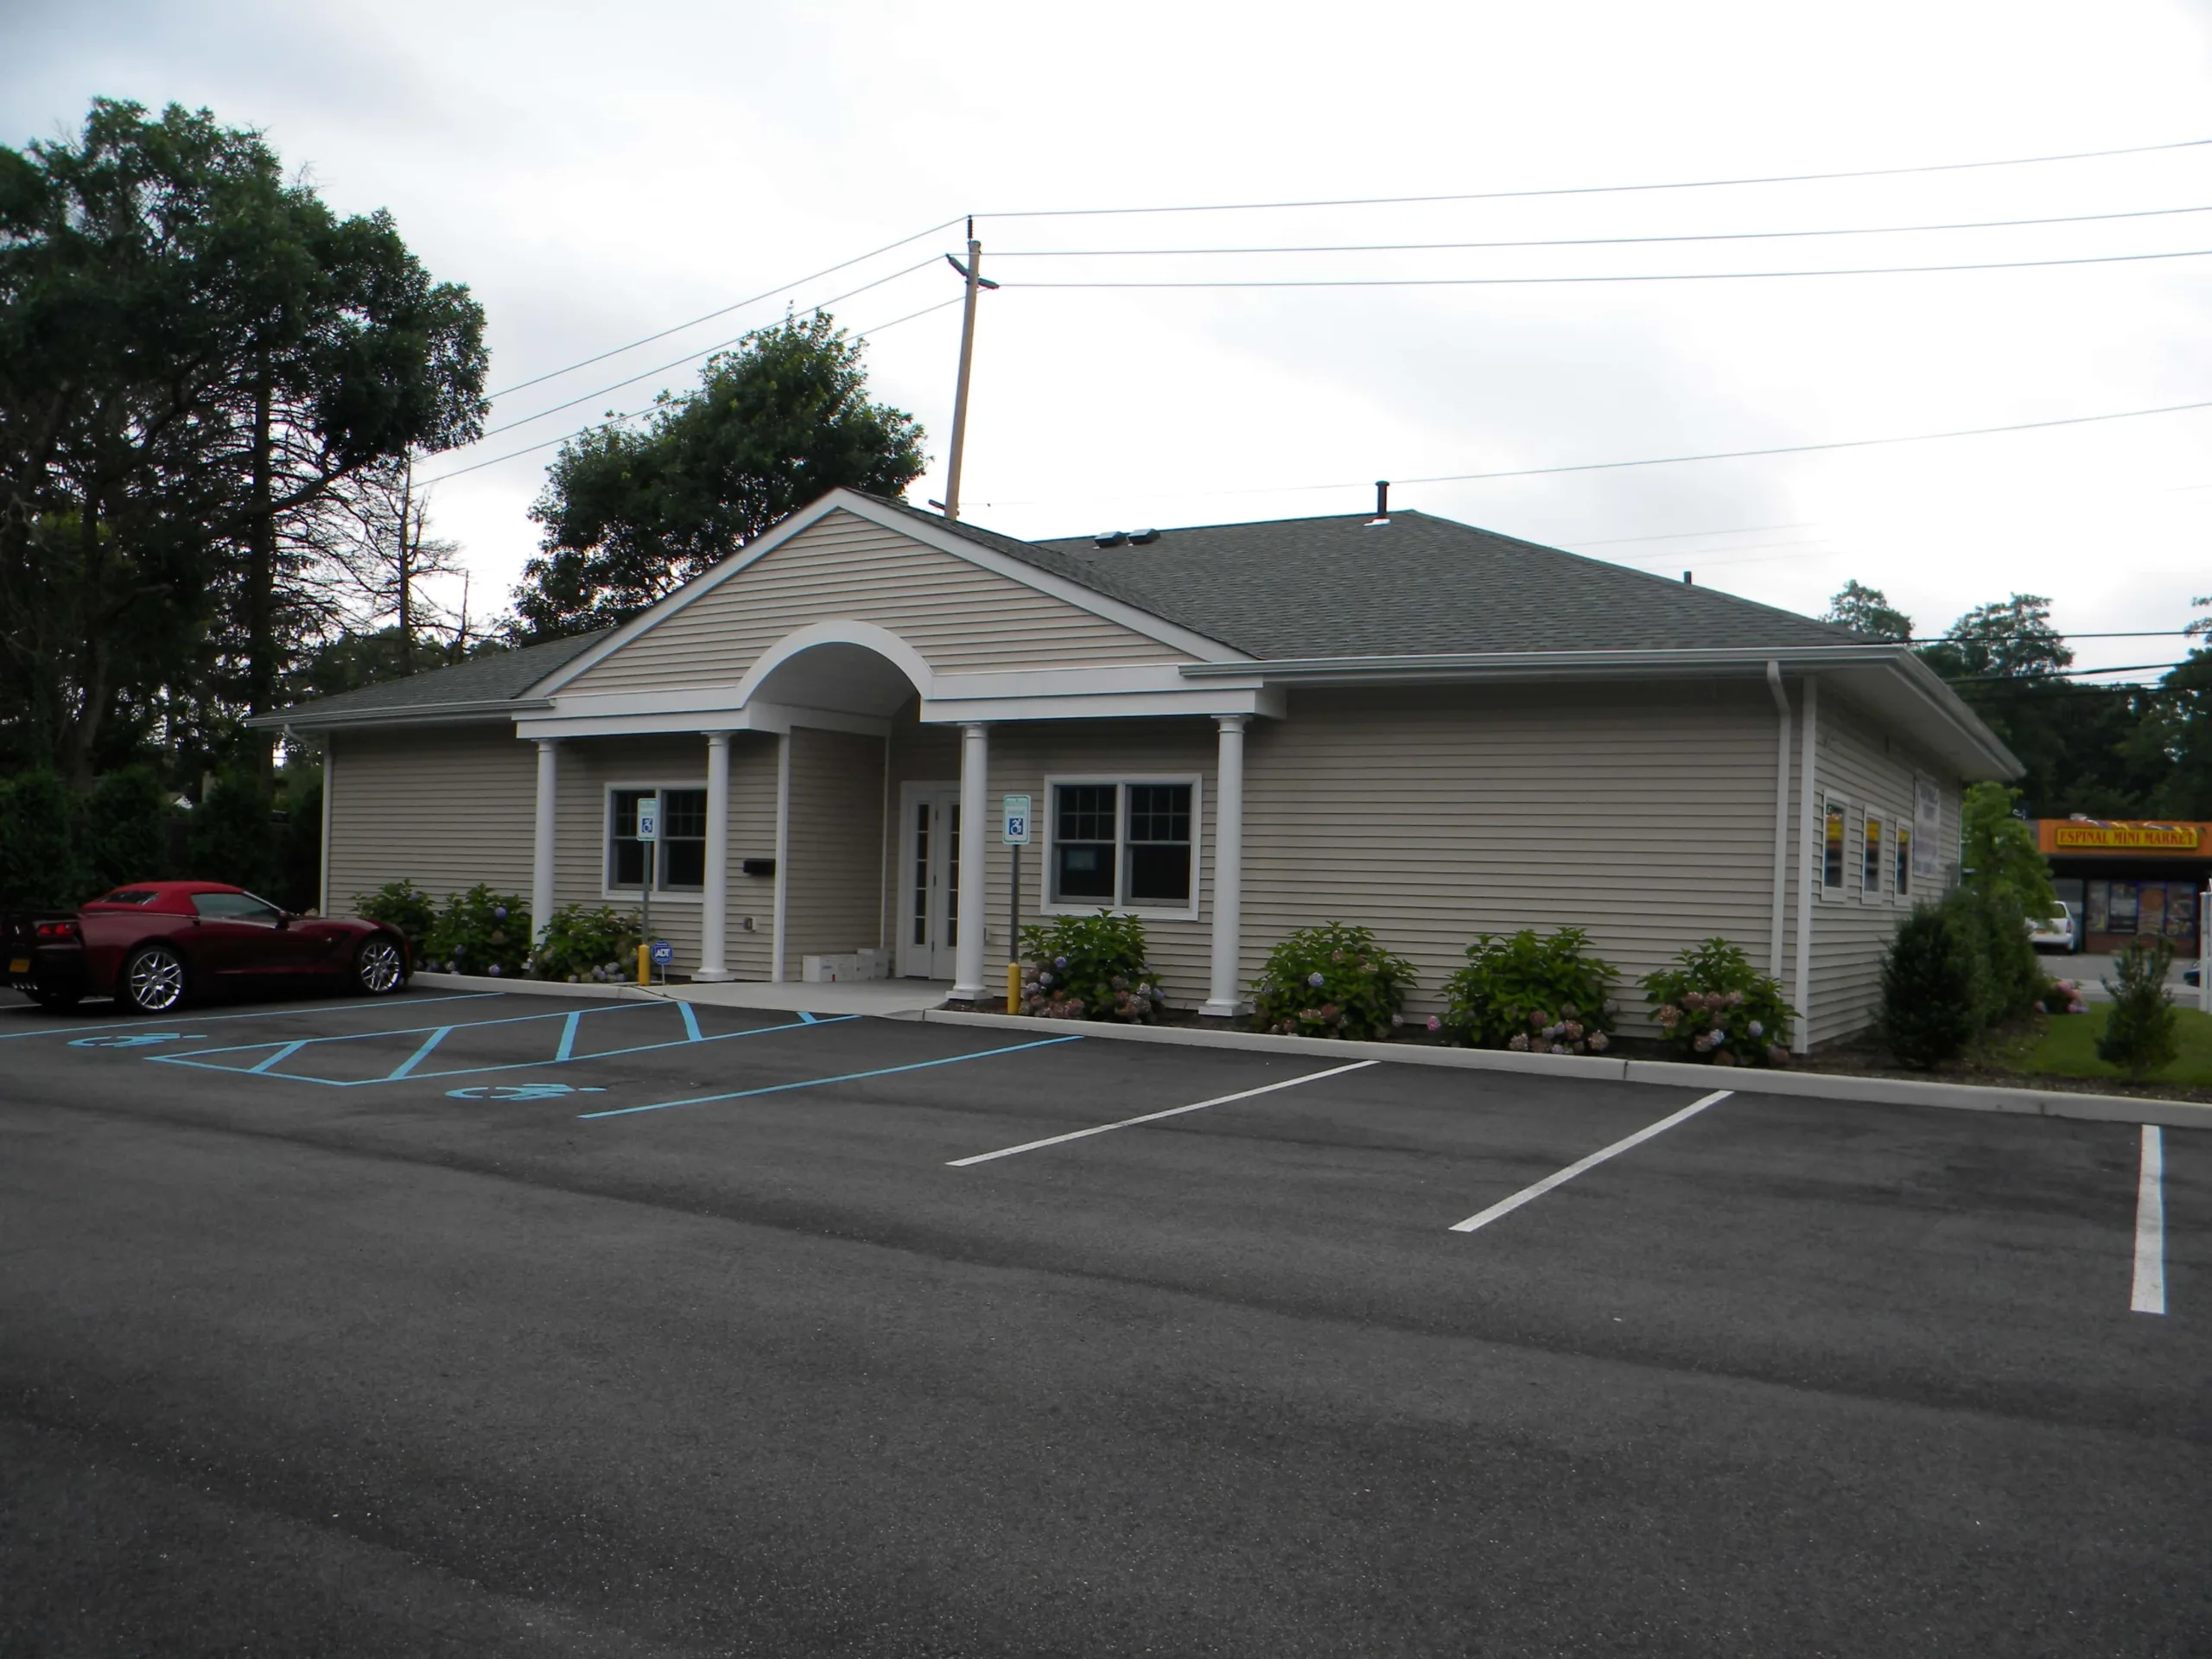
1013 987
644 964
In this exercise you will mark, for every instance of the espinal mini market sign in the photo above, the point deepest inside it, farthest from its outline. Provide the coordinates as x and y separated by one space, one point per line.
2066 836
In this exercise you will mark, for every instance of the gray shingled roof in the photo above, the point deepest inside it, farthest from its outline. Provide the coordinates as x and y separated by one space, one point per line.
1302 587
495 677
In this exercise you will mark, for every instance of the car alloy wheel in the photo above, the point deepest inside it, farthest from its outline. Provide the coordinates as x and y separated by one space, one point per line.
377 967
153 982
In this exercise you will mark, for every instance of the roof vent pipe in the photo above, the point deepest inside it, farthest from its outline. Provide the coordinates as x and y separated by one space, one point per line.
1381 503
1685 578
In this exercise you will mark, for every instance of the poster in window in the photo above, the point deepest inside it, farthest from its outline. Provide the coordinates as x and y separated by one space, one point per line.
1927 829
2095 905
2181 912
1832 847
2120 908
2151 908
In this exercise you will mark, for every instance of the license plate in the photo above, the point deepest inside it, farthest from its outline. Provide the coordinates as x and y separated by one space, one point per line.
20 965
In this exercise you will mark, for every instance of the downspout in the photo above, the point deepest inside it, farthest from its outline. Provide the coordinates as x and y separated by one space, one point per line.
1807 865
1781 817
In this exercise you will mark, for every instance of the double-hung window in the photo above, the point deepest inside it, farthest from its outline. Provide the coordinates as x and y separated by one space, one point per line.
679 858
1124 844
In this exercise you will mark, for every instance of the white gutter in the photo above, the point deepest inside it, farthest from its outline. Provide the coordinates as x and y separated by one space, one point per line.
403 713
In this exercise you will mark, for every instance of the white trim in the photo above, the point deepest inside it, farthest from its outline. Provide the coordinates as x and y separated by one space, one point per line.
969 947
838 630
1877 894
545 839
329 788
783 855
688 721
635 895
714 910
1808 795
1047 905
1846 878
1203 703
1781 819
945 541
1225 994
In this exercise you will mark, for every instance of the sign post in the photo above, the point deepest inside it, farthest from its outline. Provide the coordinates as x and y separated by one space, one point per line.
648 838
1014 831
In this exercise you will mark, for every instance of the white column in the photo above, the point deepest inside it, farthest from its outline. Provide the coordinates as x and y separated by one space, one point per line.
1226 996
967 984
714 902
1810 849
783 852
1781 819
541 849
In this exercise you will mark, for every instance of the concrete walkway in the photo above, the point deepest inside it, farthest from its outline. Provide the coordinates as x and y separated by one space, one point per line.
889 998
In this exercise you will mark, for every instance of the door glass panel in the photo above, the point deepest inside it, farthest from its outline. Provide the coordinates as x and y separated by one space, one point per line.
922 873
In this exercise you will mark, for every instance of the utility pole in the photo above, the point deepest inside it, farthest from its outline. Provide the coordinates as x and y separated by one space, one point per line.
973 271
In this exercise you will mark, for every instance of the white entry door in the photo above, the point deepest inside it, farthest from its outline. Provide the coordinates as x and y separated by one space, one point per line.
928 816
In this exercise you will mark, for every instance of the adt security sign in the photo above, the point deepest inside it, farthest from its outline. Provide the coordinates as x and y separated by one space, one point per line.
1017 821
649 818
664 953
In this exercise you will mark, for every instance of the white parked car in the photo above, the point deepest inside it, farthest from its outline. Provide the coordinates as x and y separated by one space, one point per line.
2055 931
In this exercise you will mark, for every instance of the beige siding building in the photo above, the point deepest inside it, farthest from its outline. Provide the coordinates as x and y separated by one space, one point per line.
1230 731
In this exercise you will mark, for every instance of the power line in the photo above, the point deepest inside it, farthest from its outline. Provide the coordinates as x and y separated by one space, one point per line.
690 357
1640 277
1584 241
2061 675
1692 535
1597 189
766 294
631 414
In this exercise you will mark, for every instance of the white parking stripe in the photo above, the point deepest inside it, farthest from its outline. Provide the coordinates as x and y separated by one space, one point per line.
1153 1117
1506 1206
2149 1295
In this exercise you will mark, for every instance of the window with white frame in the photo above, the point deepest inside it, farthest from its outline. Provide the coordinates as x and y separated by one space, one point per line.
1872 847
1902 857
1126 843
679 858
1835 813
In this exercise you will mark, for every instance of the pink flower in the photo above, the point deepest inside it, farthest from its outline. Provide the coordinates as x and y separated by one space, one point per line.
1435 1024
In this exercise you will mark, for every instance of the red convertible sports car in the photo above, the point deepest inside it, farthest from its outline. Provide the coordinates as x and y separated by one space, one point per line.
155 946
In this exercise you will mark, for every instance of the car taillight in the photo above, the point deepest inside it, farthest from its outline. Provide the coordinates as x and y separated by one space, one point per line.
57 932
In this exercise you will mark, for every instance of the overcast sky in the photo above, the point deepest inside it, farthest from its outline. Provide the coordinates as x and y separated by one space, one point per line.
595 174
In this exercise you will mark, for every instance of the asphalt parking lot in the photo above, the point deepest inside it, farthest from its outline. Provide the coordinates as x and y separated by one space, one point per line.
501 1323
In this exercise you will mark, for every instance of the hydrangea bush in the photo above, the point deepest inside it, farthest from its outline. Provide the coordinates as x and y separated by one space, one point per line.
1089 968
401 905
2064 996
480 931
1713 1005
1531 992
1332 981
585 945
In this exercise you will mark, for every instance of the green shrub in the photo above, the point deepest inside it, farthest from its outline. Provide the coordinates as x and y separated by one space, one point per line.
2141 1035
1529 992
123 830
1332 981
299 849
1929 994
480 931
233 834
1089 968
1713 1005
40 868
582 944
401 905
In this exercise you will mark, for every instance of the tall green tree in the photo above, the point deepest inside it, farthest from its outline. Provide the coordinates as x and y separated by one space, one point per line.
631 515
194 353
2014 640
1868 610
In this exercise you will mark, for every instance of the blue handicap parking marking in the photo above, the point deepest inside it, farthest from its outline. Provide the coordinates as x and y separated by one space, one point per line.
138 1039
519 1091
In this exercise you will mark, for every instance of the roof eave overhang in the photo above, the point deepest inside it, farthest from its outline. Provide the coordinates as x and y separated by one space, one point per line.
1976 748
427 713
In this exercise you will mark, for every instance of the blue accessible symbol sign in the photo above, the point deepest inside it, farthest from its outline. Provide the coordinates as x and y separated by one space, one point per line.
517 1091
137 1039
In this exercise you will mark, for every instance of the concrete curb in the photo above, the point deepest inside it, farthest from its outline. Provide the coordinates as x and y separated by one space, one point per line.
1810 1086
538 987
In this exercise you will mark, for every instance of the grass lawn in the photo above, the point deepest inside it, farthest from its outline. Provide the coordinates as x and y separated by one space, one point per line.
2069 1049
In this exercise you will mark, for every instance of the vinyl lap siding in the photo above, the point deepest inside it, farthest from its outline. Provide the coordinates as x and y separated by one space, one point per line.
834 900
1645 816
1855 758
960 617
444 807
